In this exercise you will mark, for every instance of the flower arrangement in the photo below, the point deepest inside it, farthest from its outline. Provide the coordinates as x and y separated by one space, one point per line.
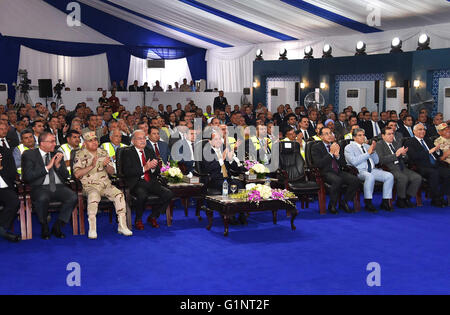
172 172
256 193
256 168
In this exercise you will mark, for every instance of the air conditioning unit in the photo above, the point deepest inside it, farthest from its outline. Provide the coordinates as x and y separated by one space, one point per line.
158 63
3 93
277 97
395 99
446 110
356 98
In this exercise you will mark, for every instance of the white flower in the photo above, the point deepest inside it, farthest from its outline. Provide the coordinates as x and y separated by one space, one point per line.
264 191
250 186
260 169
175 172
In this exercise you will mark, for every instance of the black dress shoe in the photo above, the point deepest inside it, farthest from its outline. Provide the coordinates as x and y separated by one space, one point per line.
233 220
409 203
401 203
369 206
332 209
437 203
344 206
56 230
386 206
242 218
45 233
12 237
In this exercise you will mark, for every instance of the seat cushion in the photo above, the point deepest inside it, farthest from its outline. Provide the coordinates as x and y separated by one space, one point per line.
303 185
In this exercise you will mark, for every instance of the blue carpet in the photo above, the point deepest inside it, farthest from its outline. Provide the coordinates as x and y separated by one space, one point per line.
326 255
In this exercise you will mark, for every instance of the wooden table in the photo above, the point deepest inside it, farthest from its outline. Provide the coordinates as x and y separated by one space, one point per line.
184 191
228 207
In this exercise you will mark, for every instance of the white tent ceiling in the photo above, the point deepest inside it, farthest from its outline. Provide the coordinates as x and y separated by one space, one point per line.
231 23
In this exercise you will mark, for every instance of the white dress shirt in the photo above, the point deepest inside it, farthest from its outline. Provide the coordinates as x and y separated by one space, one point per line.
5 141
47 178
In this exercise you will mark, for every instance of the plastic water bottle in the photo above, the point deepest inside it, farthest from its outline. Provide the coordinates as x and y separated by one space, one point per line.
267 183
225 188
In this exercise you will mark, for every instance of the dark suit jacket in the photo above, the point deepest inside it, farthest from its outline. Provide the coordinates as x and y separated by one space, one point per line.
60 136
125 140
163 150
133 88
418 155
213 167
131 164
431 131
250 121
387 158
323 160
8 173
404 131
12 138
33 168
220 103
187 162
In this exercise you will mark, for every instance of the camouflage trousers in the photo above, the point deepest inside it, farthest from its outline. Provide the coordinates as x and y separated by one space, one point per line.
112 193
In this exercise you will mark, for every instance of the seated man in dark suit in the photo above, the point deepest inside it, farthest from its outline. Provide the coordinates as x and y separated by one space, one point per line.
160 148
326 156
8 196
184 150
423 153
393 156
141 176
45 170
218 161
406 128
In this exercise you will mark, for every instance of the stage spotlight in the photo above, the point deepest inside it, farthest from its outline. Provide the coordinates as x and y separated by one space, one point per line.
308 52
360 49
327 50
424 42
283 54
259 54
396 45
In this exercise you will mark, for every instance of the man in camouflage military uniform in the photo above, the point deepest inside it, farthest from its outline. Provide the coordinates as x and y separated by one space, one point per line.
444 142
92 166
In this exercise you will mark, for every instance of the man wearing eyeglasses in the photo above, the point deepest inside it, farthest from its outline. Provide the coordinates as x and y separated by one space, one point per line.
44 169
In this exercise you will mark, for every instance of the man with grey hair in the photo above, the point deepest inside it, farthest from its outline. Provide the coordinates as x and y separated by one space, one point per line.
364 158
141 177
425 155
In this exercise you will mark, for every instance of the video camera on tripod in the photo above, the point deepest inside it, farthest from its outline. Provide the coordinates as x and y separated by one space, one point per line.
58 88
23 86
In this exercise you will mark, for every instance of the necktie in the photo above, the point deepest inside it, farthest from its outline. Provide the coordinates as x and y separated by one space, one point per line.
146 174
334 164
51 174
158 155
369 166
377 132
410 132
4 143
305 135
400 160
223 167
430 156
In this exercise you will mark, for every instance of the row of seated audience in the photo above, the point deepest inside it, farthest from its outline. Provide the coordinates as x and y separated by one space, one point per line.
36 143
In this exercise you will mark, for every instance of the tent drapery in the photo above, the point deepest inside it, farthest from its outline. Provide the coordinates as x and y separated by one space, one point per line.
118 56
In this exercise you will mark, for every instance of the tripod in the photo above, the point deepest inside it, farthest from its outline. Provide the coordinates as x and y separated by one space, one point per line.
58 99
24 98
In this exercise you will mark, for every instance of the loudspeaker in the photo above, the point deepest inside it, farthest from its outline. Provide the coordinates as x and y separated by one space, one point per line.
246 91
406 85
377 92
45 88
